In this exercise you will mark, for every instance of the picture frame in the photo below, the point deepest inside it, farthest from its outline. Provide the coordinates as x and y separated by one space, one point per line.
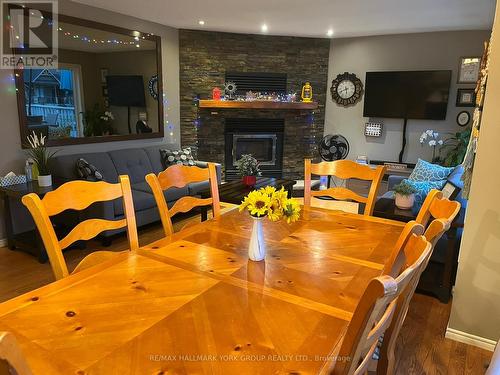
466 98
450 190
469 69
463 118
104 74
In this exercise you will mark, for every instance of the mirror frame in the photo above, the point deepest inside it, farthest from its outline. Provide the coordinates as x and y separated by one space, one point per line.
21 103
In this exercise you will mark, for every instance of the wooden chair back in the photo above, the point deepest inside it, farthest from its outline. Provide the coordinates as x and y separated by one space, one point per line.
374 313
344 169
12 360
437 207
398 257
415 254
180 176
78 195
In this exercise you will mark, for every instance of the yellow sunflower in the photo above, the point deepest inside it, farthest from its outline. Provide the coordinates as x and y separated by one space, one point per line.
257 202
269 190
275 212
291 210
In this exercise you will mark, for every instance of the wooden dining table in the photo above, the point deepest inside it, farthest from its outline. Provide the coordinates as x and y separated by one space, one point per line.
193 303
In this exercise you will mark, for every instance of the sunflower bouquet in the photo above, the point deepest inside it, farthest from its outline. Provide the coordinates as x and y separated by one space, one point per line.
272 203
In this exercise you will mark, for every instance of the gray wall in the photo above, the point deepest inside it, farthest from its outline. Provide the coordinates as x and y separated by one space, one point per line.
425 51
11 155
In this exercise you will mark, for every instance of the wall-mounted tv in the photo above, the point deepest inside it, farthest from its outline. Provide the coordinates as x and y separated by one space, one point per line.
126 91
407 94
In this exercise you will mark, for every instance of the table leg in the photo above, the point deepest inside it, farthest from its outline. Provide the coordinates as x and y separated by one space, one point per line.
9 230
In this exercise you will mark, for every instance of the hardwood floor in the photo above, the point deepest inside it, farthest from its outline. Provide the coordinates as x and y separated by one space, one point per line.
422 348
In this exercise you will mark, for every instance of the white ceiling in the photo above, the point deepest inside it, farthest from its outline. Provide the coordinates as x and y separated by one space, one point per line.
311 18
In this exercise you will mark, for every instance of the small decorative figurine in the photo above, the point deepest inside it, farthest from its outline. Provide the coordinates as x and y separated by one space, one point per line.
307 92
216 93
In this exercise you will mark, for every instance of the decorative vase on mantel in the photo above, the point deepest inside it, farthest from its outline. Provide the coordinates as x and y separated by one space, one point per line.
250 180
257 245
45 181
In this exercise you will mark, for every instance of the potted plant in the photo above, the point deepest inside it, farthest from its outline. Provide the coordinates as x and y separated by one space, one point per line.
273 204
248 168
404 195
433 139
455 147
97 122
42 158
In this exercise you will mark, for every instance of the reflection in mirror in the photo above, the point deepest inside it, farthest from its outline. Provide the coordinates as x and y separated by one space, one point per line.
106 86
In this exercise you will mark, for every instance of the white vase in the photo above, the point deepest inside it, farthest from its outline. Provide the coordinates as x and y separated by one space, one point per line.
405 202
45 180
257 246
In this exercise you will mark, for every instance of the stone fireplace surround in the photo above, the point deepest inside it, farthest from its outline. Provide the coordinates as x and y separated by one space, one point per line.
204 59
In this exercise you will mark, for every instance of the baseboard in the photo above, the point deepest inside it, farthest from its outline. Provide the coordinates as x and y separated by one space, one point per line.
3 242
467 338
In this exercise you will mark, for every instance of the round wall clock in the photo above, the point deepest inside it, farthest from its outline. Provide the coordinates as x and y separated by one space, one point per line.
463 118
153 86
347 89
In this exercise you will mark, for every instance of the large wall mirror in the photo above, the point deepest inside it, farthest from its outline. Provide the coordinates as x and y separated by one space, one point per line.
107 87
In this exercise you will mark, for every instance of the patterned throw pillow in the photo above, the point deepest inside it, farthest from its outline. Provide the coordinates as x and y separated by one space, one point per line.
425 171
88 171
422 189
172 157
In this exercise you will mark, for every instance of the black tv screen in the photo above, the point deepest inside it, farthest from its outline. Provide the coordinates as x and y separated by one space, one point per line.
410 94
126 91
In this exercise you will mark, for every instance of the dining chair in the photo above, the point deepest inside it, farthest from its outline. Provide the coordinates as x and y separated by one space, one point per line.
386 357
78 195
179 176
344 169
437 207
374 313
12 360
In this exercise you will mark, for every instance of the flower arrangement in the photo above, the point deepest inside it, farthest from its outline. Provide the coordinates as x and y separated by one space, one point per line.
40 154
432 138
248 166
272 203
97 122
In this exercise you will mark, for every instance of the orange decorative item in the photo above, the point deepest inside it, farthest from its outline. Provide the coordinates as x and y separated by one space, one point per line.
216 92
307 92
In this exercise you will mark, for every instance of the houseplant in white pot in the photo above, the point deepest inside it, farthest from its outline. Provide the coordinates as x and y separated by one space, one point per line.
404 195
42 157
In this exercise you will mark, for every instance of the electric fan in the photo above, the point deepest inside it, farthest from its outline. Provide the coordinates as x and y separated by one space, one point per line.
333 147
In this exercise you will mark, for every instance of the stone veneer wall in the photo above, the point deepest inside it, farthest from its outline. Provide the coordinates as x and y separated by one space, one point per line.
204 58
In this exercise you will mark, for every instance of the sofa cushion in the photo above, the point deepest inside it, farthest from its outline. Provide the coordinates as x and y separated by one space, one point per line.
196 187
64 167
132 162
171 194
425 171
142 201
154 155
182 156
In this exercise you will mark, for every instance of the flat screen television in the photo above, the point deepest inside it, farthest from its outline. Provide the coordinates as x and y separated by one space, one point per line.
126 91
407 94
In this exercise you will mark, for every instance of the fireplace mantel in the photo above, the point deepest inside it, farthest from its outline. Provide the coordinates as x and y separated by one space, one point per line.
257 104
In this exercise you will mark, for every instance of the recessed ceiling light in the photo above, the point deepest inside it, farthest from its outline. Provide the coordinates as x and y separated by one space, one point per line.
329 32
201 22
264 28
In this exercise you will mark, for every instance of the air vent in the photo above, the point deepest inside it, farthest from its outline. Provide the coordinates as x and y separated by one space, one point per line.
258 82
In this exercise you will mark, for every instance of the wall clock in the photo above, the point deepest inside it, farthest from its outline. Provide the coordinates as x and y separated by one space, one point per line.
153 86
347 89
463 118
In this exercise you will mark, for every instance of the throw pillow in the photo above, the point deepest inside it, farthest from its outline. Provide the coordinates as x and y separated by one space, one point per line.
425 171
172 157
87 171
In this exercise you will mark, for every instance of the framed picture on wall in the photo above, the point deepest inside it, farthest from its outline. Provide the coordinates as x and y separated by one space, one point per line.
466 97
104 74
468 71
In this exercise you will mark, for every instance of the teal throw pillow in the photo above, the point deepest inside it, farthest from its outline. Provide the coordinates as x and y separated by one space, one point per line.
422 189
425 171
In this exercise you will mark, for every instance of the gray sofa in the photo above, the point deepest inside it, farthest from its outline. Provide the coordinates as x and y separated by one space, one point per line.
136 163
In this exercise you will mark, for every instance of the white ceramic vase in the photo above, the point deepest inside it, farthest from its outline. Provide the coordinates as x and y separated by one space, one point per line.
405 202
45 180
257 246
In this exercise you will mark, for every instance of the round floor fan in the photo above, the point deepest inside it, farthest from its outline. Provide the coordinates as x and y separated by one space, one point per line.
333 147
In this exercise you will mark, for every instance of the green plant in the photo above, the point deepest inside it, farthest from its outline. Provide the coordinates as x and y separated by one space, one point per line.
404 189
454 148
40 154
97 122
248 166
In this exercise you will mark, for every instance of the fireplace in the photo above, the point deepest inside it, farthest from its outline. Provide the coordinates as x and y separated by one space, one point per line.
263 138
